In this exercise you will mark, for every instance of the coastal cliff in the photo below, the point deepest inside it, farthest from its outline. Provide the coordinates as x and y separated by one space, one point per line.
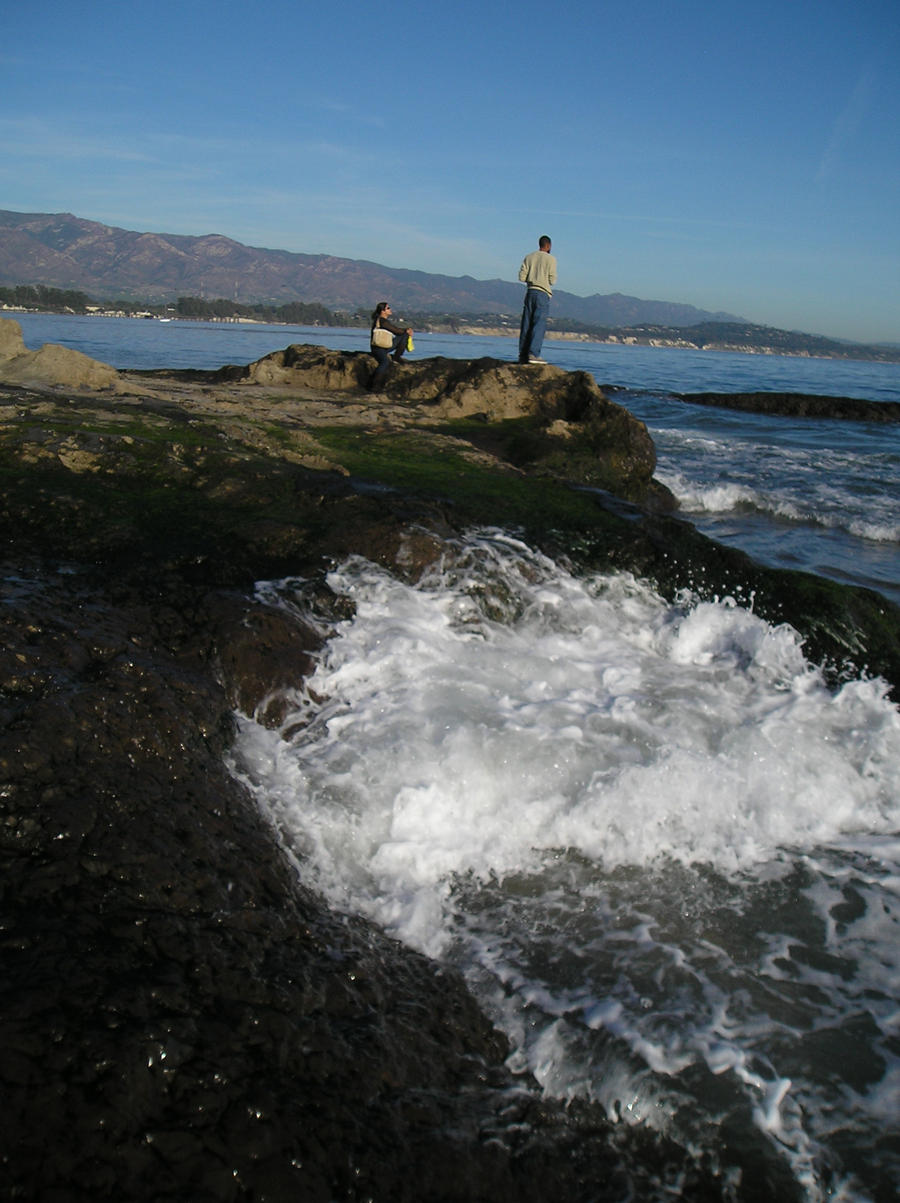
183 1017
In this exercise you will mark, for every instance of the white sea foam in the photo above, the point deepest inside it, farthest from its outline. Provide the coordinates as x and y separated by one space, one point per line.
601 720
827 508
789 474
886 530
563 785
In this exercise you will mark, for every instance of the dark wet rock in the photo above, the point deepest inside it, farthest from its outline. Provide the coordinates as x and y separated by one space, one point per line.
264 655
800 405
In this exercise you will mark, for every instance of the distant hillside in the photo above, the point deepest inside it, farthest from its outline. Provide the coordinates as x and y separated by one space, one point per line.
750 339
68 252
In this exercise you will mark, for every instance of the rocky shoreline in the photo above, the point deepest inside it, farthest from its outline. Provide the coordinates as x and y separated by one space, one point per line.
182 1017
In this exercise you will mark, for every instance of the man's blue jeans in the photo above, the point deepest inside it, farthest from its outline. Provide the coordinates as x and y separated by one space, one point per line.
535 312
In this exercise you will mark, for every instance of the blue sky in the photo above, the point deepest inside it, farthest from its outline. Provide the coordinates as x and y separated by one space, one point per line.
737 156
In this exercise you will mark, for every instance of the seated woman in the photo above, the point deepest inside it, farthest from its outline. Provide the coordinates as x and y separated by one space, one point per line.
389 344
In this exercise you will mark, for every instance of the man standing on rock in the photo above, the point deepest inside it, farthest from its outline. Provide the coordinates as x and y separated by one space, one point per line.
538 274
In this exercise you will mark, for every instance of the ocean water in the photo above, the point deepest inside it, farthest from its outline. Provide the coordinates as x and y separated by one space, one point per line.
665 855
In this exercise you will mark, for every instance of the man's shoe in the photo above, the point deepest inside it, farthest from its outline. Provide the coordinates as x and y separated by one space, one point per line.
536 359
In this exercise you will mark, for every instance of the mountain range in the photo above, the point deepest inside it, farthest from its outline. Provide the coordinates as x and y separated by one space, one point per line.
64 251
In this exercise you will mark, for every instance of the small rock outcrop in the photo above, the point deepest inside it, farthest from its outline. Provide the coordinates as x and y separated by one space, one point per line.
451 388
800 405
50 365
567 427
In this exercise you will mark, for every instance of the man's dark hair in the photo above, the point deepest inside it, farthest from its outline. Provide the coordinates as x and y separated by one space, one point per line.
544 241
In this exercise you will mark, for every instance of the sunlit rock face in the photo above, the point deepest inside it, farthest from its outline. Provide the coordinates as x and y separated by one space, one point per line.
51 364
574 431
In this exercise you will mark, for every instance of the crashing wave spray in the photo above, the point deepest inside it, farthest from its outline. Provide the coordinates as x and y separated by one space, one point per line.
635 826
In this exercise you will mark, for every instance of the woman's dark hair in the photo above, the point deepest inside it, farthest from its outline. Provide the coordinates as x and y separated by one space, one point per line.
379 310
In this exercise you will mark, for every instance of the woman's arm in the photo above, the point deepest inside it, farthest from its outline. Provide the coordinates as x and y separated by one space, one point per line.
386 325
